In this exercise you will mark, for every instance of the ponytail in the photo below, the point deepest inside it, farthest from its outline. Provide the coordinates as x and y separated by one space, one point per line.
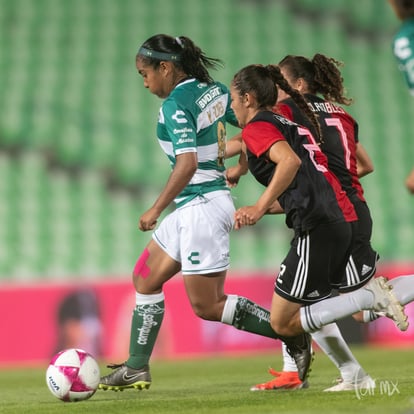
297 97
180 50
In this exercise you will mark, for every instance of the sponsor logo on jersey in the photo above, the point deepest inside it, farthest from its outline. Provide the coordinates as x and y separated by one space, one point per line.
402 48
208 96
184 141
179 117
183 133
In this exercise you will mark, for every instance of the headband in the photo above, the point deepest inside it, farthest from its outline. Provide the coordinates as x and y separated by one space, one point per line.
159 55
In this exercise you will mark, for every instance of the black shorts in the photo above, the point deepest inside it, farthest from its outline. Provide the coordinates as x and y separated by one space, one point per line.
315 262
362 263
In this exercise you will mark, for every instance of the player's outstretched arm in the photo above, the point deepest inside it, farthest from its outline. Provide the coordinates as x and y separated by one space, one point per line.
364 162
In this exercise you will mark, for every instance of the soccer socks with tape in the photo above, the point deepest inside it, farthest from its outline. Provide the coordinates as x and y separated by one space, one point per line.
247 316
403 288
146 323
313 317
330 340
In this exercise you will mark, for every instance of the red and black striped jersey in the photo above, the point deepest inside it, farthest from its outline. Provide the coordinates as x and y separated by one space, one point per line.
340 136
315 196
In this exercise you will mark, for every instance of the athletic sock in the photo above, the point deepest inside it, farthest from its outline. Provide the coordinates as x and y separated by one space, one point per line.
330 340
247 316
146 323
369 316
403 288
289 364
313 317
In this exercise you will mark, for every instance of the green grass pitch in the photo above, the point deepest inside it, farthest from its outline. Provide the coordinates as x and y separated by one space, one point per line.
221 385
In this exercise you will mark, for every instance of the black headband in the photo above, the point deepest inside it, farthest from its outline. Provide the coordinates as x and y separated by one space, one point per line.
159 55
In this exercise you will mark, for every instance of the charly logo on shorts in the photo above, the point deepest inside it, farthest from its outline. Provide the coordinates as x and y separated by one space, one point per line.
193 258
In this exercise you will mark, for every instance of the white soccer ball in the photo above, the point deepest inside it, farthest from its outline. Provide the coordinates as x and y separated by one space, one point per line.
73 375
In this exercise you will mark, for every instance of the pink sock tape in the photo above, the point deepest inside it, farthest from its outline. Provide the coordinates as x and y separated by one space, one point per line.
141 268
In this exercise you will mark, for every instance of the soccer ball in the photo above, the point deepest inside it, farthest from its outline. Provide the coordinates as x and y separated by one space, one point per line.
73 375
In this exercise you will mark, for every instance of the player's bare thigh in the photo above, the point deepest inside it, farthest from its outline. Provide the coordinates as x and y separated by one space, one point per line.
285 316
153 268
206 294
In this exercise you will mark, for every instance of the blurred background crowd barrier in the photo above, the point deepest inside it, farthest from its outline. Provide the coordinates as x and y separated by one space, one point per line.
79 161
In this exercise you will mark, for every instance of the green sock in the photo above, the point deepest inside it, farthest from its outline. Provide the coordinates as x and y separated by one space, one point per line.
248 316
146 323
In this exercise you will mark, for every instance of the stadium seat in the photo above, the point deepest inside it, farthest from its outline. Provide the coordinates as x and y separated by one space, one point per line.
74 117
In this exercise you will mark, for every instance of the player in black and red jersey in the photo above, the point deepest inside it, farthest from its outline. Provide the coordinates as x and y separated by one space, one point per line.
321 82
286 159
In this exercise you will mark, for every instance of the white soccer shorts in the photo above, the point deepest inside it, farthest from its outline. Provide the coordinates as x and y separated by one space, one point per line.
197 234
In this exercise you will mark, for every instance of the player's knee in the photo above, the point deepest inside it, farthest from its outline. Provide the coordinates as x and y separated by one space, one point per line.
205 311
281 327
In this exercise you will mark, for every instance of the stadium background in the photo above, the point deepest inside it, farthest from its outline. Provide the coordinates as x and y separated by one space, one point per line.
79 160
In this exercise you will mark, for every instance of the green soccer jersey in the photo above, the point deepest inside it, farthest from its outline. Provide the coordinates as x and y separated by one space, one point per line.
193 119
403 49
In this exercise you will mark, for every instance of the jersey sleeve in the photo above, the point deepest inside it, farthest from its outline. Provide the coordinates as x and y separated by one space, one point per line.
180 126
403 50
229 116
284 110
259 136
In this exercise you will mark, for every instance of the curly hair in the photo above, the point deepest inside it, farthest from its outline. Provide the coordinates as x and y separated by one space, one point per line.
321 74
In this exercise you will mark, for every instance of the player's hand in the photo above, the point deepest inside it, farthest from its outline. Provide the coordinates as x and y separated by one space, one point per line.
233 175
247 216
148 220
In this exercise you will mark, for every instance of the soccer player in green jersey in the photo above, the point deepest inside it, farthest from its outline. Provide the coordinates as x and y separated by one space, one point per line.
194 238
403 49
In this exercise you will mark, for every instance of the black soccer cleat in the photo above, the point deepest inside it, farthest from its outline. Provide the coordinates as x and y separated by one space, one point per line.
300 349
124 377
